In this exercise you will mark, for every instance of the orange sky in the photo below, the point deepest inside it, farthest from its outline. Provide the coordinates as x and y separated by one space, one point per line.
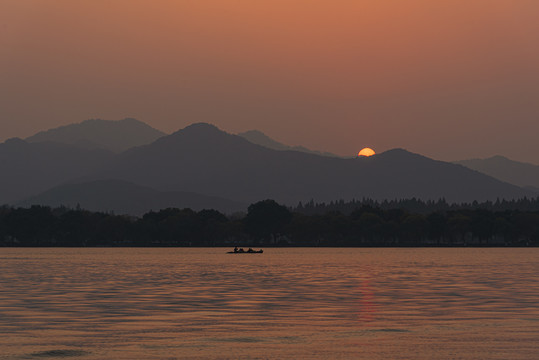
451 79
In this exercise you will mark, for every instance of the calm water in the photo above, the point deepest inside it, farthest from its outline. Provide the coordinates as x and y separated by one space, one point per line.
283 304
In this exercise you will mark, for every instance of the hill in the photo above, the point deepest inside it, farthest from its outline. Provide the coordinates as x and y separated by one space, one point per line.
259 138
30 168
504 169
127 198
205 160
116 136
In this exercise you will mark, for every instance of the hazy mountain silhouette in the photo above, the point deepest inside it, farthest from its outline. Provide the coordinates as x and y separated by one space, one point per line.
127 198
29 168
205 160
502 168
259 138
116 136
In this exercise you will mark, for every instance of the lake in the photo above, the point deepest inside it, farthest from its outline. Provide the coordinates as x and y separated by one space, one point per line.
299 303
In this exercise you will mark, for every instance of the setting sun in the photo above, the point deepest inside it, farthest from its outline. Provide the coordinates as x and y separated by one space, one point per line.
366 152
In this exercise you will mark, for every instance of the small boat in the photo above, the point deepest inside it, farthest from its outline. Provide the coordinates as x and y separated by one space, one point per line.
241 251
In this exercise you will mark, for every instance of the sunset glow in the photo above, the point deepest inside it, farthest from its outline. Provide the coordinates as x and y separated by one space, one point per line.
280 65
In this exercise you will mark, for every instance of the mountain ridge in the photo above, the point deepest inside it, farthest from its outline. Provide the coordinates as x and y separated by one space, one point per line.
500 167
127 198
113 135
259 138
30 168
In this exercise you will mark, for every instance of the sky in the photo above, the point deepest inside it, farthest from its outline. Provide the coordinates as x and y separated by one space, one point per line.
450 79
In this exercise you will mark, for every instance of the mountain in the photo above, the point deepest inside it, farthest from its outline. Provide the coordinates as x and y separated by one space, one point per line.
205 160
116 136
504 169
259 138
30 168
127 198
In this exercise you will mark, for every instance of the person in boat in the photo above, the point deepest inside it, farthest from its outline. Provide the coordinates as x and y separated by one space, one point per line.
250 250
236 249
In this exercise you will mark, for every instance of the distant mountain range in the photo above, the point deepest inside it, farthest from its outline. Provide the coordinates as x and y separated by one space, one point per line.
201 166
30 168
205 160
116 136
504 169
259 138
127 198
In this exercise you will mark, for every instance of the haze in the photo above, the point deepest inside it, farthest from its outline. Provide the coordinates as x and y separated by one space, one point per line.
450 79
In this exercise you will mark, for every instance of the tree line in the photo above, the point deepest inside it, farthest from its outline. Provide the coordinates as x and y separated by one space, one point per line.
417 205
268 223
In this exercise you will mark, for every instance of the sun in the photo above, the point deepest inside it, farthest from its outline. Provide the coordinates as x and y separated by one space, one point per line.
366 152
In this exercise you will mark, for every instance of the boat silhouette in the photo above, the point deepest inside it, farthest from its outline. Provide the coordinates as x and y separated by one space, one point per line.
249 251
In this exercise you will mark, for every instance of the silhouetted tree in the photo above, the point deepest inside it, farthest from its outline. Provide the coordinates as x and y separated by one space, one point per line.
266 220
213 227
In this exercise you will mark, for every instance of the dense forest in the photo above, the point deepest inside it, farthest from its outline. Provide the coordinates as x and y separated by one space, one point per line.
267 223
